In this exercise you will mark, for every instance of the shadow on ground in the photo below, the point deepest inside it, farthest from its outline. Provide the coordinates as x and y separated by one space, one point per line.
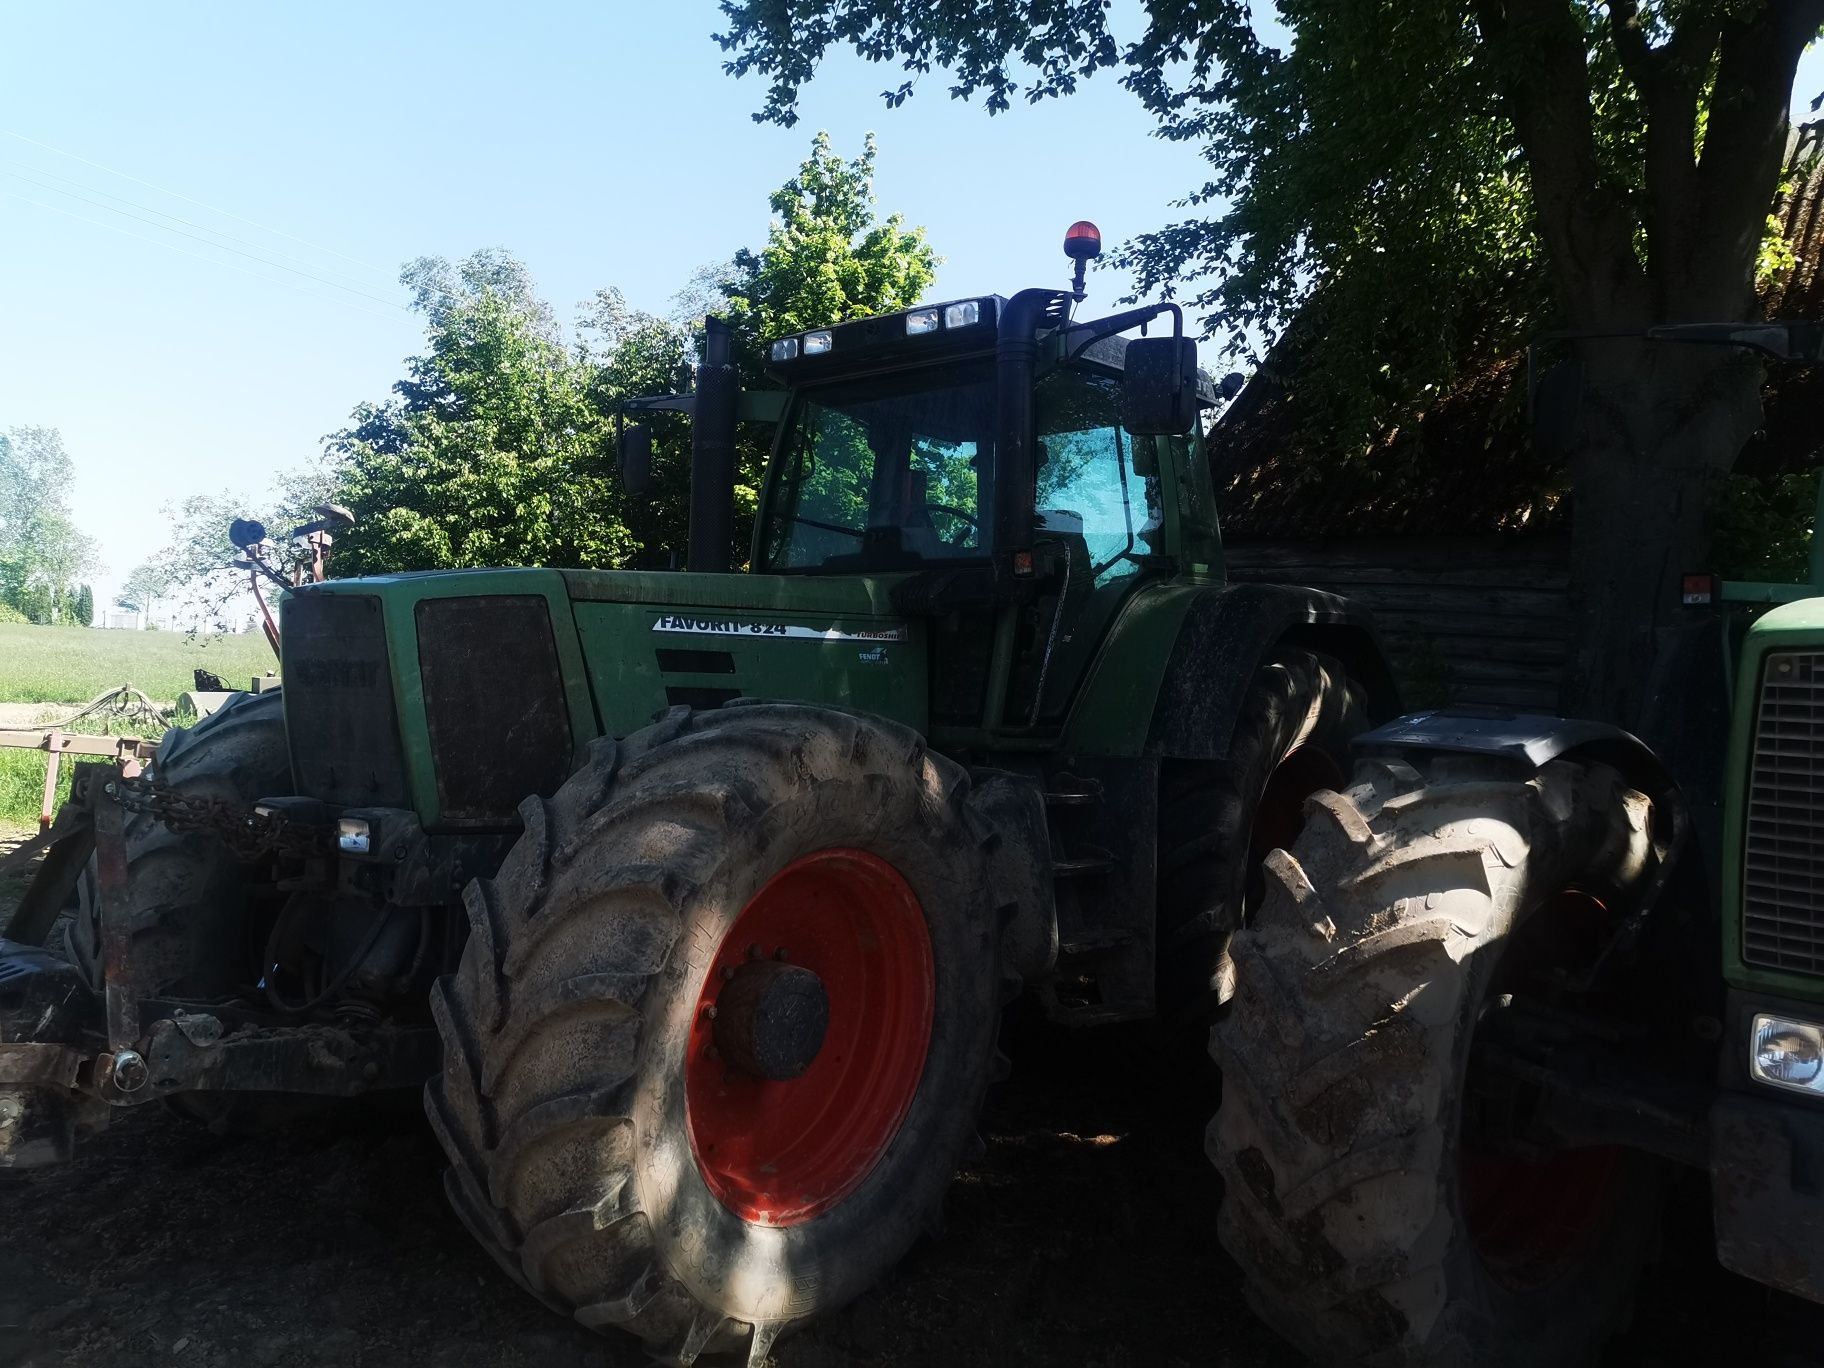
1085 1236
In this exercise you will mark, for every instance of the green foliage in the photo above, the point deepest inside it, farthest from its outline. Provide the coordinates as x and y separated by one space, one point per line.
1365 153
629 353
497 448
85 606
1764 527
492 453
41 552
827 259
10 614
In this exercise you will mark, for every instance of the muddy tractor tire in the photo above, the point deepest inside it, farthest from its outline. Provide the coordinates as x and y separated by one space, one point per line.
1217 821
1373 1218
722 1025
187 899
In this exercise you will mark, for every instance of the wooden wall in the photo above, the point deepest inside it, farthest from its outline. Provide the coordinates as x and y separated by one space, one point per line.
1467 620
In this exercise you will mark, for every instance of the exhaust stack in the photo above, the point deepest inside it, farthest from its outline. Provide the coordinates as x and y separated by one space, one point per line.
712 453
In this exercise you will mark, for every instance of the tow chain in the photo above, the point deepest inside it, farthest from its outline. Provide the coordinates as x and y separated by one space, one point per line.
248 834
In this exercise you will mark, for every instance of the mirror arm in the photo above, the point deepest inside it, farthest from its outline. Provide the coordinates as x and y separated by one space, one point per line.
1083 335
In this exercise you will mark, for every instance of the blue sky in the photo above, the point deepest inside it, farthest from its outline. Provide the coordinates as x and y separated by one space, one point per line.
598 141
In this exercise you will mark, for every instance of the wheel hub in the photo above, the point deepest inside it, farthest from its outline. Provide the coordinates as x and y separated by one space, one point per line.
771 1018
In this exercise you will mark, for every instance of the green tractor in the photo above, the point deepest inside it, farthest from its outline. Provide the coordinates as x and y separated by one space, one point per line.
1517 974
693 900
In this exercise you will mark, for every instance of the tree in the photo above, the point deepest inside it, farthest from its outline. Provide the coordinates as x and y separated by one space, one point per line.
491 452
827 259
85 607
1612 162
143 587
41 552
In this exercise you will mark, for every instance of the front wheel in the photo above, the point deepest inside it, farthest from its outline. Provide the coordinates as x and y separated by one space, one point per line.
722 1025
1377 1195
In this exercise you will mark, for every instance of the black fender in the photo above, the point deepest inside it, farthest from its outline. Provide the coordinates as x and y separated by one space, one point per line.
1530 741
1225 636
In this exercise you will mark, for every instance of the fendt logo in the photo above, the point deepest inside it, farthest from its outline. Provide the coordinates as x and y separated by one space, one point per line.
328 672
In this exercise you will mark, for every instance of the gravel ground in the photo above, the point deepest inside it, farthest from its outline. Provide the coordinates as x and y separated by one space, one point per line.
1084 1236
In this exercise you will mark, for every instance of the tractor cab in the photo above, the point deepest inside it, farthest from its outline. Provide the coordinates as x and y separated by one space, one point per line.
1001 474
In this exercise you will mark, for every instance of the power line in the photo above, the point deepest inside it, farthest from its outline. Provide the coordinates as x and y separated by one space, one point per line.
175 218
178 194
209 242
173 247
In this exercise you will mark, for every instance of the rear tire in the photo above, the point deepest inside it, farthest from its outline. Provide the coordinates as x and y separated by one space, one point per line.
1387 930
1217 820
584 1156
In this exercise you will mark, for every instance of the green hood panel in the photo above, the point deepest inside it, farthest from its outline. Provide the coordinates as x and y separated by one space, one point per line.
653 640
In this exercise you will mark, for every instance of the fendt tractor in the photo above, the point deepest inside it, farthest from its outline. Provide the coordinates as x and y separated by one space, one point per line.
1519 975
704 1007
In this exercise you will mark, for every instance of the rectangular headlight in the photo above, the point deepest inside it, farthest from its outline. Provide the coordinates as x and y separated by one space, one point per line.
921 321
785 349
352 835
963 315
816 343
1787 1053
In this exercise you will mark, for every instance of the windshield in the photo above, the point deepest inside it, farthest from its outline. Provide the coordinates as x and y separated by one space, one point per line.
893 472
886 471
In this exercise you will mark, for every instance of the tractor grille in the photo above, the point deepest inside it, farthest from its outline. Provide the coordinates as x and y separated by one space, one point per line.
1783 875
494 704
339 701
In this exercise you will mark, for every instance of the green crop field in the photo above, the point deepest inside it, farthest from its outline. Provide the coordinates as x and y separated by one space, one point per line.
73 664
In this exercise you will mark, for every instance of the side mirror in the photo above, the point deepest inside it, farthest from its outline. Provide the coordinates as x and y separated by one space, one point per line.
1557 405
1160 380
634 460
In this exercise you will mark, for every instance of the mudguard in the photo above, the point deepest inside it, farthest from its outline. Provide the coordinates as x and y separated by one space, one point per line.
1211 639
1529 740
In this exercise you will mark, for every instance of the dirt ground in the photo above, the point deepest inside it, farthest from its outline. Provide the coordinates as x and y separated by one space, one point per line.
1085 1236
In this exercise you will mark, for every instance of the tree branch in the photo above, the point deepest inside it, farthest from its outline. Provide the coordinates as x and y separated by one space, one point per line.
1744 145
1537 49
1668 80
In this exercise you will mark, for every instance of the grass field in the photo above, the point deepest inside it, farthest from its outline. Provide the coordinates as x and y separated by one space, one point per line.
73 664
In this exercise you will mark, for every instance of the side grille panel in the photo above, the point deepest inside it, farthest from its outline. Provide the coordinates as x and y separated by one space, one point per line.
1783 849
339 716
494 704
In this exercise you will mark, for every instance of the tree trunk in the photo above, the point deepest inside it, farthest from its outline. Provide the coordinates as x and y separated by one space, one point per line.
1662 424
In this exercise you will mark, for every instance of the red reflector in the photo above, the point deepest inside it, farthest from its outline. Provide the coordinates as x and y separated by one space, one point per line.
1698 591
1022 562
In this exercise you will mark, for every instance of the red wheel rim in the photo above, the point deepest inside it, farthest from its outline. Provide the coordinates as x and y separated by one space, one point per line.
1530 1219
780 1151
1280 814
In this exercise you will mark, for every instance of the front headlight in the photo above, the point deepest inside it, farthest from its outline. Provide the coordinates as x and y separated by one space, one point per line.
352 835
921 321
1787 1053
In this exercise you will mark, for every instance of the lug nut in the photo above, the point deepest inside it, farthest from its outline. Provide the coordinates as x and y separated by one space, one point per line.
129 1071
710 1011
